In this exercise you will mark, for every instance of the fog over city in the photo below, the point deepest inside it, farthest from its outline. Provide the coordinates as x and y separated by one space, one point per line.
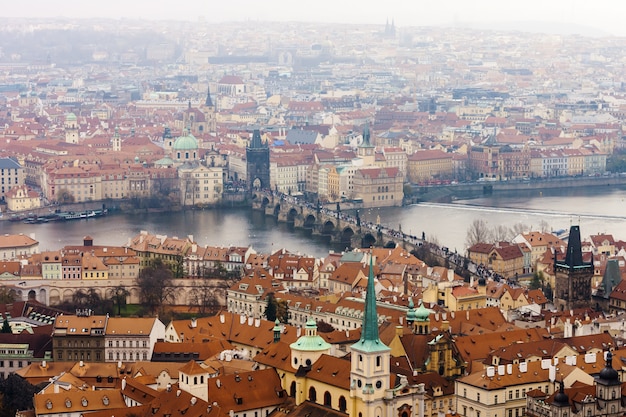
559 16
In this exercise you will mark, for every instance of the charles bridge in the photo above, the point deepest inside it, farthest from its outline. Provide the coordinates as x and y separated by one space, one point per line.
340 227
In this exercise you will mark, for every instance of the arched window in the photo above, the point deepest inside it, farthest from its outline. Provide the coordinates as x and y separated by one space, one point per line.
312 394
292 389
328 400
343 405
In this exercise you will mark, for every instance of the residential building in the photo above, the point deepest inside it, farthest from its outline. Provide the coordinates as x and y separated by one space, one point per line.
79 338
17 246
131 339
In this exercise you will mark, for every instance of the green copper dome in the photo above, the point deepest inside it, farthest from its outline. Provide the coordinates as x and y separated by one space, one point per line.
411 315
186 142
422 313
70 117
310 341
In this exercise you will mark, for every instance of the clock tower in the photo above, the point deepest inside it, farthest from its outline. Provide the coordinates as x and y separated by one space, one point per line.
370 362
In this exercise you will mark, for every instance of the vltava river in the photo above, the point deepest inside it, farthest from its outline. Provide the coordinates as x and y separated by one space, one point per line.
596 210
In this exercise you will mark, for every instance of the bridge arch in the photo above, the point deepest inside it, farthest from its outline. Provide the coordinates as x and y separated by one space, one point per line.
390 244
309 221
291 215
328 227
346 234
368 240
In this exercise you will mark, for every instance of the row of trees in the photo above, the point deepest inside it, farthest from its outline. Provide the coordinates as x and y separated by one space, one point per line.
480 231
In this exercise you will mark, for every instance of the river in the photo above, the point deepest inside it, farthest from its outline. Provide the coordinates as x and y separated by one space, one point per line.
596 210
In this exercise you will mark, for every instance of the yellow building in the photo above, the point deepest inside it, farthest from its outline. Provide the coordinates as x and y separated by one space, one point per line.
22 198
379 187
503 258
428 165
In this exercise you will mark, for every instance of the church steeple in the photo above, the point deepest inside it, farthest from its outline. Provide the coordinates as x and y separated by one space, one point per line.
370 358
208 102
369 333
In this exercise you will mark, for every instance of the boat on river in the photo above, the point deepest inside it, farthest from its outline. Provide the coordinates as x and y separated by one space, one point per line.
71 215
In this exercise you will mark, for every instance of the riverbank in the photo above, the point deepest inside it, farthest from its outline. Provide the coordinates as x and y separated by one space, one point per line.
467 191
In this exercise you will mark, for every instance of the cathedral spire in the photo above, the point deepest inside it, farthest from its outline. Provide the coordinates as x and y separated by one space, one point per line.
208 102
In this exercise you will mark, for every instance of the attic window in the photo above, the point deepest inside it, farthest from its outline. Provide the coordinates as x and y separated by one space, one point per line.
83 401
105 400
68 403
49 405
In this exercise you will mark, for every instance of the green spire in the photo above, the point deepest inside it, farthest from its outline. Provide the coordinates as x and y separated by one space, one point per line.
370 340
370 318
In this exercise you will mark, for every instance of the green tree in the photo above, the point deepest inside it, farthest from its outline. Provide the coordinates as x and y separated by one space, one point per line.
156 286
548 292
6 327
271 308
178 267
17 394
537 281
120 293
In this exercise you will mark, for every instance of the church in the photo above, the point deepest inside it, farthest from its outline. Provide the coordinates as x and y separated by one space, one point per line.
359 384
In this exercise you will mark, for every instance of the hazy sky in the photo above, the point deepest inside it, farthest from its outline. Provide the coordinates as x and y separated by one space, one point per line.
604 15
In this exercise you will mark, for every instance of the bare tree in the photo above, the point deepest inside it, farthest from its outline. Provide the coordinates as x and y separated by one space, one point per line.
502 233
544 226
478 232
203 295
519 228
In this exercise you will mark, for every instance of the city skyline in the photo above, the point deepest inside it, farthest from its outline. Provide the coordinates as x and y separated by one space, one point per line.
576 16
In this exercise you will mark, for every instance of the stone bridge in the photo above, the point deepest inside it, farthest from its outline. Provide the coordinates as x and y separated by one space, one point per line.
340 227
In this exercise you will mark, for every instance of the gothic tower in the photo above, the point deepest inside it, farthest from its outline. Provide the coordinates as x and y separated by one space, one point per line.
370 362
572 282
366 149
208 108
258 163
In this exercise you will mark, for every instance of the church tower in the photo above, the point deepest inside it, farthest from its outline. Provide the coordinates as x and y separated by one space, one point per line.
208 108
116 141
572 282
258 163
366 149
609 389
71 128
370 363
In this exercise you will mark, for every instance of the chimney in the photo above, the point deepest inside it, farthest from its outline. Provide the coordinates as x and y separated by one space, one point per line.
194 323
257 322
56 388
467 315
193 400
450 275
123 383
222 318
44 364
81 364
242 319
